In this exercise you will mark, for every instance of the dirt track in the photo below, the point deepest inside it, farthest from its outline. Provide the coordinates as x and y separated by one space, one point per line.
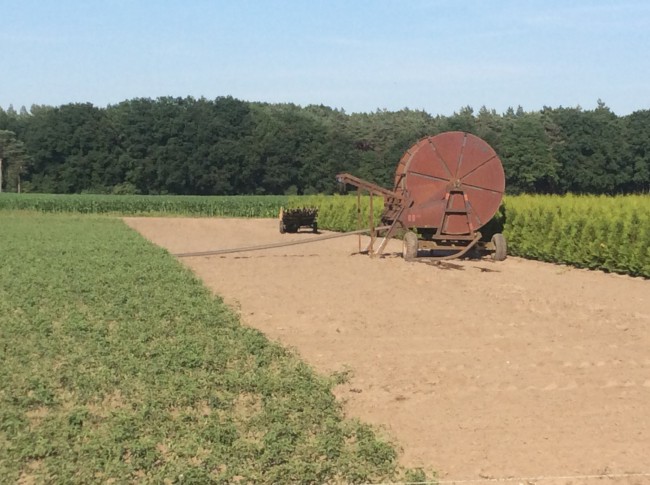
477 369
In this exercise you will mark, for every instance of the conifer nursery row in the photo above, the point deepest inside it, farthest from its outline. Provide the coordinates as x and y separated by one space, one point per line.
595 232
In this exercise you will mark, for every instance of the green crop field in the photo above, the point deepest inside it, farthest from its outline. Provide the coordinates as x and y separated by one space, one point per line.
117 365
116 362
180 205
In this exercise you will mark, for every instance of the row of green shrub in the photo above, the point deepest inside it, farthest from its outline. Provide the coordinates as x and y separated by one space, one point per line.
214 206
339 212
596 232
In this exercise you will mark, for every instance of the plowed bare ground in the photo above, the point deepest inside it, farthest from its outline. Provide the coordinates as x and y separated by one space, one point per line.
476 369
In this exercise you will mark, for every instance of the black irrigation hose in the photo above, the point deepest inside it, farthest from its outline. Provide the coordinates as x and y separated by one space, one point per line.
275 245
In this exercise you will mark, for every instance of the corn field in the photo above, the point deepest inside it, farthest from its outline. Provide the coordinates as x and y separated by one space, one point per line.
211 206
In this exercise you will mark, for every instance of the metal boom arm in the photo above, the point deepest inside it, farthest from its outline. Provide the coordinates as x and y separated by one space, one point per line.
346 178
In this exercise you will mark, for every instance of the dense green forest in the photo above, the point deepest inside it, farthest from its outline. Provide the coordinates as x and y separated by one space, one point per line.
227 146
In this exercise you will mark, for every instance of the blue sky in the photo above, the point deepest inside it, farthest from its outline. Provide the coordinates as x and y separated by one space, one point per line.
357 55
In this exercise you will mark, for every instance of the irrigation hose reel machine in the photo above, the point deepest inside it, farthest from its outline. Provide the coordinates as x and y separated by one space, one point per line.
446 188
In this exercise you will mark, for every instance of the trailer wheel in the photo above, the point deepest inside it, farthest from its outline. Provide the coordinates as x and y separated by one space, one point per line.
283 229
410 246
500 247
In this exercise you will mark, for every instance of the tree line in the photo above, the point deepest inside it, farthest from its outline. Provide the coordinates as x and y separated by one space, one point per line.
228 146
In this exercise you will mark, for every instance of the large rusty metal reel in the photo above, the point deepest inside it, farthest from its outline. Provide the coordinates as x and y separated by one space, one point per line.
455 181
455 184
446 188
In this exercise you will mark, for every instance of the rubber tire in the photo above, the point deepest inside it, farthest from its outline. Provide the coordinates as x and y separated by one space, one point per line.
410 246
500 247
282 228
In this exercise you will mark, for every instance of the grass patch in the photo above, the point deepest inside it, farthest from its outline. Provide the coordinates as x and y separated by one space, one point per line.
117 364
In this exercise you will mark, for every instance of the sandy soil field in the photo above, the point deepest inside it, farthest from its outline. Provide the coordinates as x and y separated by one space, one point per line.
480 370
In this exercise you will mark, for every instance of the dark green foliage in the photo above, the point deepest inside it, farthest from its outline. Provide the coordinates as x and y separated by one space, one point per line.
225 146
524 150
118 365
590 149
637 155
14 161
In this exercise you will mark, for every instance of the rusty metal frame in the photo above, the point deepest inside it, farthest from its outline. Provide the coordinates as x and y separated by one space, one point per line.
390 198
